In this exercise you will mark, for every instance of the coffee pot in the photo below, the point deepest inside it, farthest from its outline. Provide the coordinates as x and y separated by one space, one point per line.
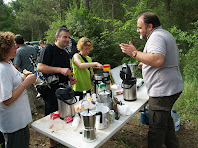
104 99
130 90
106 79
66 100
102 79
128 83
103 121
125 73
97 79
89 120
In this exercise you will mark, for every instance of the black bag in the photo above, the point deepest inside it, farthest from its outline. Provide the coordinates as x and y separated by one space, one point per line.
43 90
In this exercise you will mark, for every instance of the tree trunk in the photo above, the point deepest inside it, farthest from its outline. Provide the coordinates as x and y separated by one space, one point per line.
86 4
103 14
32 33
168 9
112 9
60 9
39 32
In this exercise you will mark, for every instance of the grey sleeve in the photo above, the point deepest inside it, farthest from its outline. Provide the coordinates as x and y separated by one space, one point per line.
157 44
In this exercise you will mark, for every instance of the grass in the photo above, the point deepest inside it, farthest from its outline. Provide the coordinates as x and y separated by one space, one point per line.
187 104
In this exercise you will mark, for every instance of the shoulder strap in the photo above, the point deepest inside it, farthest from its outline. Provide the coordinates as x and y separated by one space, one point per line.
83 58
85 61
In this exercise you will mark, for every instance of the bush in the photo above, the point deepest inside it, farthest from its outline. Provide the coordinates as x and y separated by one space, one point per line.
187 105
191 67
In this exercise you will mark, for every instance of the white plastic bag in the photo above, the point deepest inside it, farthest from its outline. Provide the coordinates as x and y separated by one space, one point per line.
124 110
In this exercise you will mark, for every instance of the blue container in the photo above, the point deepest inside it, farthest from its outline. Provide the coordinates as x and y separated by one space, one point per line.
176 119
144 116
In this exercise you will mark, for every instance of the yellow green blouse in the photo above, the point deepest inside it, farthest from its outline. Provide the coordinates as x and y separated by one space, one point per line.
83 76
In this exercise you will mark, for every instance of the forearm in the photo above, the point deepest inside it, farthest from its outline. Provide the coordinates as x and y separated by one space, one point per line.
151 59
86 65
47 69
15 94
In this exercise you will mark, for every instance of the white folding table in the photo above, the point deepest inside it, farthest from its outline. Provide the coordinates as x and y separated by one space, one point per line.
61 132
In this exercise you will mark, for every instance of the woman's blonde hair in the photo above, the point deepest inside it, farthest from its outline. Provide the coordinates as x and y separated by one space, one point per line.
6 43
84 42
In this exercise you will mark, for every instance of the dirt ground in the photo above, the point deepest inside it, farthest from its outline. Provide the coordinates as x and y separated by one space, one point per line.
132 135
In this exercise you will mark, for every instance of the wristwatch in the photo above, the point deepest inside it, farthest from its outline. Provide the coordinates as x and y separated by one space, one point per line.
134 53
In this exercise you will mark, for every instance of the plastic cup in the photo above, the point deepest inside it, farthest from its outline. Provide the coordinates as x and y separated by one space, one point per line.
106 67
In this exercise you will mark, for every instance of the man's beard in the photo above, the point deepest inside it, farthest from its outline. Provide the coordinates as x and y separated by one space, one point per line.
143 37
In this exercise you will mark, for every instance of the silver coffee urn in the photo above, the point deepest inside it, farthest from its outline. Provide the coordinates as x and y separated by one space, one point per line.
128 83
66 100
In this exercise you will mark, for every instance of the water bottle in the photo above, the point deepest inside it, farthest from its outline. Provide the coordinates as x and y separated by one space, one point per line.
176 119
93 97
75 122
144 116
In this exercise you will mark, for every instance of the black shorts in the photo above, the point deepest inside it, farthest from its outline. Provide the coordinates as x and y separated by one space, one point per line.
51 103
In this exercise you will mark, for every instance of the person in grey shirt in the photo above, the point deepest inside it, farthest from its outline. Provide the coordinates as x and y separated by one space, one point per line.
160 70
21 62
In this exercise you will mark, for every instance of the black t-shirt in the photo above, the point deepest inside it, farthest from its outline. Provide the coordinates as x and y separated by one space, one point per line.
53 56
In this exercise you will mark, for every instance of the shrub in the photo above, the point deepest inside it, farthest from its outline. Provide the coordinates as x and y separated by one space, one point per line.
191 67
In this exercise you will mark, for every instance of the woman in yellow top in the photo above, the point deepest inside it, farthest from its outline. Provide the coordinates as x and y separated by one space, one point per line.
83 67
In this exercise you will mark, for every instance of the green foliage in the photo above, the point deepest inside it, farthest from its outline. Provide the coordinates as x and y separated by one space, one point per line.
33 17
6 17
118 31
184 39
108 24
187 103
81 23
191 67
50 34
183 13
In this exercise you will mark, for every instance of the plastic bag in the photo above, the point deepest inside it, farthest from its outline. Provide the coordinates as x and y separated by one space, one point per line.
124 110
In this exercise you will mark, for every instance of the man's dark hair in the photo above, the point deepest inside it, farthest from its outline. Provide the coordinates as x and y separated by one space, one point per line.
61 28
19 39
150 18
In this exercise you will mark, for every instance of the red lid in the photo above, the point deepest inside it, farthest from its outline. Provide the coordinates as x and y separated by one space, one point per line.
106 65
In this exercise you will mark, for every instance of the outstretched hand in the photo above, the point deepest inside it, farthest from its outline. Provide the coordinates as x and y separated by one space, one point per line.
99 66
127 48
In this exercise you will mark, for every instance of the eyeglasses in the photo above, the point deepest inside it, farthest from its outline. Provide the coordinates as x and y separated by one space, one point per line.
87 42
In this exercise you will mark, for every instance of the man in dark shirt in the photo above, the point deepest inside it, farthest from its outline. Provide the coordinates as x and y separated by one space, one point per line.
54 60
